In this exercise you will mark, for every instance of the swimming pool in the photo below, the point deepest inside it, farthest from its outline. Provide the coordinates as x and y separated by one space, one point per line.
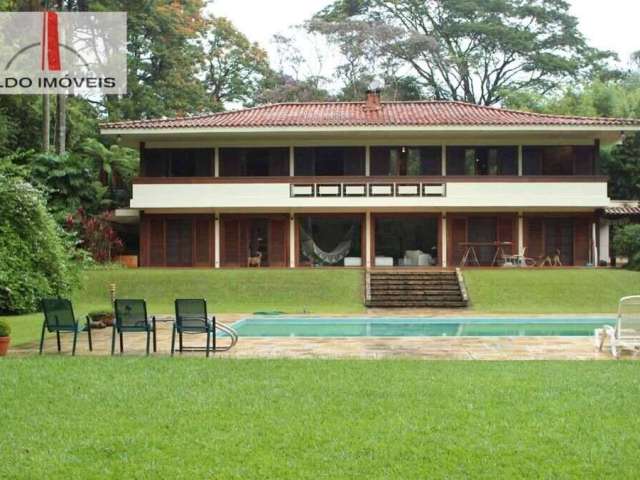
418 327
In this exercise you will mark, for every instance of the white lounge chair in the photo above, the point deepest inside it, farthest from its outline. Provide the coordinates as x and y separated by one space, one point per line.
626 334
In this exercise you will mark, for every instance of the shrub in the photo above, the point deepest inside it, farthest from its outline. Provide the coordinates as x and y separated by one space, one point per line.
5 329
35 253
626 242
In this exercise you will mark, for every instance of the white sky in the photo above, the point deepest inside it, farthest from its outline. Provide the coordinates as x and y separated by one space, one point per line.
607 24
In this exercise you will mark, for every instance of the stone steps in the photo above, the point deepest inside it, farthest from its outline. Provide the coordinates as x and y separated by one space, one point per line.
415 290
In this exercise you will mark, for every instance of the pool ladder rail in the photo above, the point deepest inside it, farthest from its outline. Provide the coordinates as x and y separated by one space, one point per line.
229 331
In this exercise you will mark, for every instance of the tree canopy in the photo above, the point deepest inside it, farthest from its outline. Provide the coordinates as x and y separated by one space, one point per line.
468 50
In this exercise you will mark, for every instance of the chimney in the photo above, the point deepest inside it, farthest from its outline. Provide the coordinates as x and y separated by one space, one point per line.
373 99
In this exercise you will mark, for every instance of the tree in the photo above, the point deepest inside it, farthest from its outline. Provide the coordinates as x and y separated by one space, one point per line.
34 251
233 67
163 59
626 242
279 88
468 50
622 165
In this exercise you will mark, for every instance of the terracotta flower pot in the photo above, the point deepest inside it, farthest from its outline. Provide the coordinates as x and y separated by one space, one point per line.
4 345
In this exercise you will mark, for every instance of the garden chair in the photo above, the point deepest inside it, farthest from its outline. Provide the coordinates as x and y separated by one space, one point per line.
191 318
626 334
131 316
59 318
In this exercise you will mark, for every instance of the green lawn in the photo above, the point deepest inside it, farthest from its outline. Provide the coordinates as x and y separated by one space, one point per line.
190 418
550 291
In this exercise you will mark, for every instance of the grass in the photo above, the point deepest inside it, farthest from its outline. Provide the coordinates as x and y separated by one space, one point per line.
189 418
550 291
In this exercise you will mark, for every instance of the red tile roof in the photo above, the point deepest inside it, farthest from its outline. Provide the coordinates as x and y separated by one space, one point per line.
355 114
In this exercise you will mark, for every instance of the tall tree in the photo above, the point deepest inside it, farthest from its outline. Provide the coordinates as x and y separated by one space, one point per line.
468 50
233 67
163 58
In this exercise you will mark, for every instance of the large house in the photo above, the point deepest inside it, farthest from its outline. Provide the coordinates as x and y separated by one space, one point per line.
370 184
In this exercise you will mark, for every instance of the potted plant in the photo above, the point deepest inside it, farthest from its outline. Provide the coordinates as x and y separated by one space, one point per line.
5 331
101 318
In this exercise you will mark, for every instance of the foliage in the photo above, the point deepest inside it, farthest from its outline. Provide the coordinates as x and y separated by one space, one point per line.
5 329
95 234
308 419
469 50
278 88
622 164
163 58
233 66
626 242
34 251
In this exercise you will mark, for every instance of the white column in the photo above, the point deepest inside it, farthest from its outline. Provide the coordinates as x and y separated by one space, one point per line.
367 242
604 240
292 162
520 169
520 233
216 241
292 240
594 243
444 160
216 162
443 241
367 161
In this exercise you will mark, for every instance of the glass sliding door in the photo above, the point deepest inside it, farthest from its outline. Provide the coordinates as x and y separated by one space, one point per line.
406 240
330 240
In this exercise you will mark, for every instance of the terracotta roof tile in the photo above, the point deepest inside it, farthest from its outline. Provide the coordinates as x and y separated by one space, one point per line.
354 114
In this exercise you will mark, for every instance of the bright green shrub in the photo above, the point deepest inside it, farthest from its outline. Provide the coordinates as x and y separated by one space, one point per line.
626 242
5 329
35 254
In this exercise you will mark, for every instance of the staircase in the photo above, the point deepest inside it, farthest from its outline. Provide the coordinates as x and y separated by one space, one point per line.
415 290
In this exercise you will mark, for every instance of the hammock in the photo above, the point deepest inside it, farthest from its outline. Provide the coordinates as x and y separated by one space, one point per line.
312 251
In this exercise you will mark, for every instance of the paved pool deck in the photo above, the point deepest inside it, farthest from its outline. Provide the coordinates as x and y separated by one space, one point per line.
428 348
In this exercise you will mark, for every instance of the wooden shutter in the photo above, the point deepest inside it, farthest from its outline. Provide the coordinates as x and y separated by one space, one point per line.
581 243
458 236
203 244
534 237
278 243
506 233
179 242
156 242
230 242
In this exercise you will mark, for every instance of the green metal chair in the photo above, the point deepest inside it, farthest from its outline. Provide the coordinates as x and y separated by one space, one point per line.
131 316
191 318
59 318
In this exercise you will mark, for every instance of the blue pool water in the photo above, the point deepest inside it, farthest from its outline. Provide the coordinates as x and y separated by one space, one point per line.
418 327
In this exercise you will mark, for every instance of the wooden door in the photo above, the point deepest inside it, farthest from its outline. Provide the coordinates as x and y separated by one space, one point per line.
156 242
534 237
458 236
203 244
582 241
278 242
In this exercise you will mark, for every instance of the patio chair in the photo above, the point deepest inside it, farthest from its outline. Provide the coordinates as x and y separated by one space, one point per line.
626 334
131 316
191 318
59 318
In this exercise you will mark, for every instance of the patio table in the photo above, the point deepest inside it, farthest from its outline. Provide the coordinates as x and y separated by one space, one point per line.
470 254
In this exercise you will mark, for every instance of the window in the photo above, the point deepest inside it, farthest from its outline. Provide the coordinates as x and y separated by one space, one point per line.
482 160
559 160
177 162
254 162
329 161
406 161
